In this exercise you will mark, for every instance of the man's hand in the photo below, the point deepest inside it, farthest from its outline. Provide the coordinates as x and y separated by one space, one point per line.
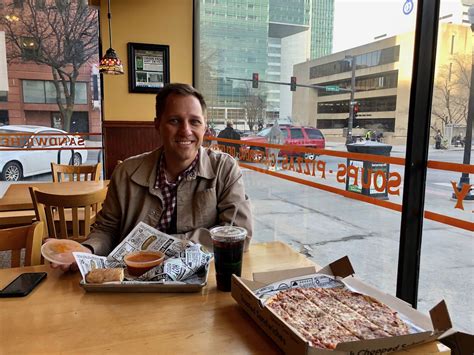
65 267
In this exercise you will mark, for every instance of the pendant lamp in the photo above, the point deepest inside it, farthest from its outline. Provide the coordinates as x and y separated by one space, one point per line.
110 62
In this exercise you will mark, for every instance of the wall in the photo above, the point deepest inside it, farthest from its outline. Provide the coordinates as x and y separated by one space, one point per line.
166 22
128 117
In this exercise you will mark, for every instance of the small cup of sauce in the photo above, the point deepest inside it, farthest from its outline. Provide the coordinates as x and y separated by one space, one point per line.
141 261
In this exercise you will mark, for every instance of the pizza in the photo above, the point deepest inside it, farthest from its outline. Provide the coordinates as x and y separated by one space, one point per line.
328 316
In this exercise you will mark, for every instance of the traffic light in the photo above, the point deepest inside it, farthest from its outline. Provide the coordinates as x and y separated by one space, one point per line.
355 108
255 80
355 111
293 83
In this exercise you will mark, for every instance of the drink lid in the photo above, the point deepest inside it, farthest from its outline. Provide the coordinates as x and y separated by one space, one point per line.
228 233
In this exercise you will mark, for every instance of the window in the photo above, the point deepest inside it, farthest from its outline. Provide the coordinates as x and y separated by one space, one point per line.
284 133
371 59
41 92
40 4
33 91
74 50
314 134
50 30
296 133
3 117
384 69
386 80
29 48
18 4
373 104
379 124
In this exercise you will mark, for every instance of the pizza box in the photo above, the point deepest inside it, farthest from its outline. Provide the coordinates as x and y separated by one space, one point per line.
290 342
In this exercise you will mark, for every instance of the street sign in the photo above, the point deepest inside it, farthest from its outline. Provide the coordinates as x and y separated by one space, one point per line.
333 88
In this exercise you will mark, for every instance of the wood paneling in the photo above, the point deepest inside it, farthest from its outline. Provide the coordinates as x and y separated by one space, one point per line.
123 139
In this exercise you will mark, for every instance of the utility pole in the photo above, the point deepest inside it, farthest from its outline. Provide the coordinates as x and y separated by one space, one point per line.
470 112
351 102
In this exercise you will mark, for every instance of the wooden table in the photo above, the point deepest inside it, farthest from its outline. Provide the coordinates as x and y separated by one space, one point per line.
17 197
59 317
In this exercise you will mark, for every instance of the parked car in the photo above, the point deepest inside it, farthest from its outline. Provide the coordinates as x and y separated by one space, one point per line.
24 162
309 137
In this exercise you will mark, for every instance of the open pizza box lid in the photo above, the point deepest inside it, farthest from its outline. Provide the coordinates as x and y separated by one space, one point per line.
289 341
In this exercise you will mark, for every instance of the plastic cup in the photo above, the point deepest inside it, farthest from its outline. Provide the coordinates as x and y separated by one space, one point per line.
141 261
59 251
228 245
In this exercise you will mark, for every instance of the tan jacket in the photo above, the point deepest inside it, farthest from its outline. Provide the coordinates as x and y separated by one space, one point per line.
203 201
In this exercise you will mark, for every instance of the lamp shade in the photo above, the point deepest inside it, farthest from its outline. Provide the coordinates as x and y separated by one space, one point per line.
110 63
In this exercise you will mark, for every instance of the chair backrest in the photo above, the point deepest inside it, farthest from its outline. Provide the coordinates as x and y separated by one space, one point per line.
29 238
75 172
52 209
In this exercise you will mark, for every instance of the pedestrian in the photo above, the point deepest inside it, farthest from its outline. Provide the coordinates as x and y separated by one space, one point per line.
379 137
230 133
275 136
368 135
438 138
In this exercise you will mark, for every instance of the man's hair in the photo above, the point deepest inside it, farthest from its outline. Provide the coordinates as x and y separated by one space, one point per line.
177 89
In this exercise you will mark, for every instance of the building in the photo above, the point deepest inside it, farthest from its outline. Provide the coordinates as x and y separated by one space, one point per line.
259 36
27 88
382 85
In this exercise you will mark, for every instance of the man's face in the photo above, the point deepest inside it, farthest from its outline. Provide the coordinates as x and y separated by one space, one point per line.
182 126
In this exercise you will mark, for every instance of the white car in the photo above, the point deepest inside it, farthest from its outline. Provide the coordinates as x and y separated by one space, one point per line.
29 150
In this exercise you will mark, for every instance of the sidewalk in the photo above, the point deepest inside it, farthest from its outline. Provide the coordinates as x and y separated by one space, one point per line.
396 149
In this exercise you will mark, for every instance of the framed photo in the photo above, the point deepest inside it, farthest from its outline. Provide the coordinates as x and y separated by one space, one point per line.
148 67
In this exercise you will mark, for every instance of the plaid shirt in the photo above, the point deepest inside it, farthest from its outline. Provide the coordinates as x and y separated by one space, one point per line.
169 190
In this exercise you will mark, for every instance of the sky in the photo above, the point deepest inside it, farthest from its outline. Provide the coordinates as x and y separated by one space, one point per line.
357 22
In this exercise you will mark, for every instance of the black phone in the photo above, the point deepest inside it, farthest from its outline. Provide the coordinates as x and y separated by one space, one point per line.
23 284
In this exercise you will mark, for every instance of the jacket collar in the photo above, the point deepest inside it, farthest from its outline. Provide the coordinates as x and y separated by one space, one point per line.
145 175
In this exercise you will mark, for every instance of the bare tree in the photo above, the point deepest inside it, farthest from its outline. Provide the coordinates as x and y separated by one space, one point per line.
62 34
208 80
255 107
451 93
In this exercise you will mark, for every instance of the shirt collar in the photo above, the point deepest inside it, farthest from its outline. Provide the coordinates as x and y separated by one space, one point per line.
145 174
189 173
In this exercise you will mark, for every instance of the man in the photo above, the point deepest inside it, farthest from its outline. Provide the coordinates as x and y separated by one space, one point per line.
275 136
230 133
181 188
438 139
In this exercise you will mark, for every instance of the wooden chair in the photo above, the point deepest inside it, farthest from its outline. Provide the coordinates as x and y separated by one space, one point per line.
52 210
75 172
29 238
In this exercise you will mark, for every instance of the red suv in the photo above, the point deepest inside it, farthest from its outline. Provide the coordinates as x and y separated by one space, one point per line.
293 135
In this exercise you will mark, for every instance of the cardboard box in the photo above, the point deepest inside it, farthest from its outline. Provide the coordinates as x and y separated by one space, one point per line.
291 342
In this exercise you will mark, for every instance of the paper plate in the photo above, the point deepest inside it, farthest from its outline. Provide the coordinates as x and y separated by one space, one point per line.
59 251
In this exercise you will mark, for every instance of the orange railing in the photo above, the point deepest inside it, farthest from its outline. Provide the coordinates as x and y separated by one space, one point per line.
309 168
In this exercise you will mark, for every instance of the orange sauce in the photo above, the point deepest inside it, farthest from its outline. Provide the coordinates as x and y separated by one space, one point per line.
142 261
143 258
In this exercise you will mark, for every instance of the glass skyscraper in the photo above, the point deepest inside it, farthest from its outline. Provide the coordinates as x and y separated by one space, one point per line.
241 37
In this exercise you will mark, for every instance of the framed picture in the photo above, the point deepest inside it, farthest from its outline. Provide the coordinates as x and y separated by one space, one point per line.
148 67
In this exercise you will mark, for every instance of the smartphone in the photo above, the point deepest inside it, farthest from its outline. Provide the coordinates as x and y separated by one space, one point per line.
23 284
